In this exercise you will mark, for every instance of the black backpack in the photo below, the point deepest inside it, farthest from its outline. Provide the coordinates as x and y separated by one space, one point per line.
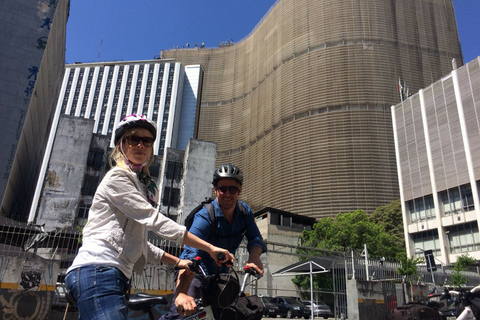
211 212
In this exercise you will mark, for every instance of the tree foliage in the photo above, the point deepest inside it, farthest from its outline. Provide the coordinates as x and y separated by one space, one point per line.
382 233
463 262
351 230
390 216
408 266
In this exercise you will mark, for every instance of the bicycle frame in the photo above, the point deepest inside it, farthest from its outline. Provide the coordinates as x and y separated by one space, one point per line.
206 313
467 310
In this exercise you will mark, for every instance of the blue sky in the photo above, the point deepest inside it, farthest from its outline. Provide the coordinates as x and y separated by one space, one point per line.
106 30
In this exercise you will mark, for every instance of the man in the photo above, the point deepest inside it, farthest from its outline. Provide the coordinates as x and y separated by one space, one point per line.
232 225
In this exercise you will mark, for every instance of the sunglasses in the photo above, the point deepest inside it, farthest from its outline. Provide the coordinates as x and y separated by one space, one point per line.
231 189
135 140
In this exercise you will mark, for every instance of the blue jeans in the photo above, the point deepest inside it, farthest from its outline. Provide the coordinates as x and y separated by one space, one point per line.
99 291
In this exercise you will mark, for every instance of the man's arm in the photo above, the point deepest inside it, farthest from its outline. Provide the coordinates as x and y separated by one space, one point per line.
254 260
185 304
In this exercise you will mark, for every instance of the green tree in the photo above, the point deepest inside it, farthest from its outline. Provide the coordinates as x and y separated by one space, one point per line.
408 267
461 265
390 216
351 230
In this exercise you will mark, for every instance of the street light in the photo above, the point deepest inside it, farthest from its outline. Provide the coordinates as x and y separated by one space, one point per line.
430 260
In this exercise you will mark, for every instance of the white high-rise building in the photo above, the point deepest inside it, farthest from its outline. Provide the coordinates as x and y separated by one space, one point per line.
437 142
165 91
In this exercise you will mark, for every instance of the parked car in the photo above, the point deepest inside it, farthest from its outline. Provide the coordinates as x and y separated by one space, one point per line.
290 307
269 309
320 309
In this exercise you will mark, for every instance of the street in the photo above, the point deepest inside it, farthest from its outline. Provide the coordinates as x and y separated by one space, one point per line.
278 318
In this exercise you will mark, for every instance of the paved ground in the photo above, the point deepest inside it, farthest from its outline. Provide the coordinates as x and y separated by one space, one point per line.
316 318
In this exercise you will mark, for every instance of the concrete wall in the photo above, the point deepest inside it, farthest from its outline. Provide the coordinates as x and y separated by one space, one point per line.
65 174
27 287
275 260
372 300
32 70
199 165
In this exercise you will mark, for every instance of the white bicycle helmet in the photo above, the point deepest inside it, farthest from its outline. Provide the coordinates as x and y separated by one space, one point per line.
134 121
228 171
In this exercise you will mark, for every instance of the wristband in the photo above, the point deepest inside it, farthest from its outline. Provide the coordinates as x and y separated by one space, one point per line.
178 261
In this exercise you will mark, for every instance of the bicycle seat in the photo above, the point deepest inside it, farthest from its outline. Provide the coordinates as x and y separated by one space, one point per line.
142 301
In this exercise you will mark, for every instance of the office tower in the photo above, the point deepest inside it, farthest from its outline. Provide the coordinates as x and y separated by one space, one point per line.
437 138
302 104
104 93
32 63
109 91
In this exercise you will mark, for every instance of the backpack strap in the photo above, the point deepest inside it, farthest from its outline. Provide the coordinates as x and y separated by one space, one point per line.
211 213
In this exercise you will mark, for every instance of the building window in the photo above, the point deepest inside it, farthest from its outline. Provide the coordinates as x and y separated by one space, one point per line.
171 199
83 210
90 184
421 209
463 237
280 220
95 158
467 197
154 170
427 240
174 170
457 199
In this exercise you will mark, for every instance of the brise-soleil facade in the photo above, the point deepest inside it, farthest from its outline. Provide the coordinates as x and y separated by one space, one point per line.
302 104
437 138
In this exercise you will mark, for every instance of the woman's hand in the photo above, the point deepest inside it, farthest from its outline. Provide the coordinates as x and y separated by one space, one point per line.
184 264
227 256
185 304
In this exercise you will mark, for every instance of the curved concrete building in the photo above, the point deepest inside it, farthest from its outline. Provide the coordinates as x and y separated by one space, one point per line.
302 104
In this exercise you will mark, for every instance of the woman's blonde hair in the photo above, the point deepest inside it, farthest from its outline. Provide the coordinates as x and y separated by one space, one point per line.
118 158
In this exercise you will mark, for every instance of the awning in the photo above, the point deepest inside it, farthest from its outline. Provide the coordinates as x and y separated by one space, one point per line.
312 266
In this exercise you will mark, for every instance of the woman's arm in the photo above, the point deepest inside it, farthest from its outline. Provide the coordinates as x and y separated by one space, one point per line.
193 241
177 262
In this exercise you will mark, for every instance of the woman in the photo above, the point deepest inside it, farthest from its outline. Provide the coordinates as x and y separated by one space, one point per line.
123 210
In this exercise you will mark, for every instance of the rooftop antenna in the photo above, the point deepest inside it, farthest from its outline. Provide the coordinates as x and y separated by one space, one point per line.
99 49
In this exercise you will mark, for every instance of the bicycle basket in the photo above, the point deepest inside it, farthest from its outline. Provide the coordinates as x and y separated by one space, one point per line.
223 289
245 308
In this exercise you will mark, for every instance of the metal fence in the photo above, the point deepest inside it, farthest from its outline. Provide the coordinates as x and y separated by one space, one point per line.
34 259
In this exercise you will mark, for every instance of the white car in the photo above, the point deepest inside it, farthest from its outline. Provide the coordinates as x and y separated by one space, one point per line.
320 309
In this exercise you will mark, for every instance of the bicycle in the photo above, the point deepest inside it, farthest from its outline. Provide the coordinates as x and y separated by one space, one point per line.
145 302
469 299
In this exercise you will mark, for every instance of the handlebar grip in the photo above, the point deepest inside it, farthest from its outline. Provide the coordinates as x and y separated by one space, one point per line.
251 271
195 264
221 256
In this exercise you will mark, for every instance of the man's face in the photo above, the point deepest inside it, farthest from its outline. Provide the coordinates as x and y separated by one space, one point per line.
227 192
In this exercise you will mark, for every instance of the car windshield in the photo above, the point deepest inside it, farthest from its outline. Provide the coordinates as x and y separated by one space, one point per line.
266 299
292 301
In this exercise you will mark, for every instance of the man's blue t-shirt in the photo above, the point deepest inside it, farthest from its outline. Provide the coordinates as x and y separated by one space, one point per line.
226 236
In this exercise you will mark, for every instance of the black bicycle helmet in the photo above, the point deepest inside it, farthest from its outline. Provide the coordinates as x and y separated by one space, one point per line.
228 171
134 121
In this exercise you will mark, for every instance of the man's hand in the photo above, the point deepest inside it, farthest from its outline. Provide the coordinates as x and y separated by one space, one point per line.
185 304
256 268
